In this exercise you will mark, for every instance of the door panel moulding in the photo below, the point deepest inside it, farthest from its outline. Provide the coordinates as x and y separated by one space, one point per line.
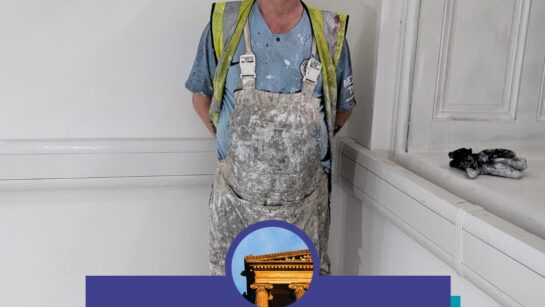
506 110
434 114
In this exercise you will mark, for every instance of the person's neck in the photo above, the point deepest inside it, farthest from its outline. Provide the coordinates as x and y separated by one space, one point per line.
281 15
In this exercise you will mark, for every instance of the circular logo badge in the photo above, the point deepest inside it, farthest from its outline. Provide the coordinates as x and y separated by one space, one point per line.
272 261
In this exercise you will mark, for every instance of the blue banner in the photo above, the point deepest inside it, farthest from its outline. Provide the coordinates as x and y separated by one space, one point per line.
149 291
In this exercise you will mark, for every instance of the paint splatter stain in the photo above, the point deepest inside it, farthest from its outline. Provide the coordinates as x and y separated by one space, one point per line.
278 39
301 39
269 77
288 63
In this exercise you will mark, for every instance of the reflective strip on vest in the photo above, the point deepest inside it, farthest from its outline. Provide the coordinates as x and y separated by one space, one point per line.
340 38
229 49
329 29
217 27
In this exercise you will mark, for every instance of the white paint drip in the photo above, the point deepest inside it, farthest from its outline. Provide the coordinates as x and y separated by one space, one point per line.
269 77
301 39
288 63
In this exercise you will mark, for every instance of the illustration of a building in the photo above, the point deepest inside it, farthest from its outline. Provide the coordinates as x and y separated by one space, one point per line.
277 280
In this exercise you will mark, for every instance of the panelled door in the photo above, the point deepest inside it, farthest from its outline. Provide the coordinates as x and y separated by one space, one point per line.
478 74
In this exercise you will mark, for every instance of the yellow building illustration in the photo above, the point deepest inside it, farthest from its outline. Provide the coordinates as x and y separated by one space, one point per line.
277 280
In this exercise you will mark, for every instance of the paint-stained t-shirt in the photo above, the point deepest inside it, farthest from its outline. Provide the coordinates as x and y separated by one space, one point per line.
279 68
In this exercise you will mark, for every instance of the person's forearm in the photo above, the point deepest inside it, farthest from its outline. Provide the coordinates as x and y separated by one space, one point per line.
202 104
341 118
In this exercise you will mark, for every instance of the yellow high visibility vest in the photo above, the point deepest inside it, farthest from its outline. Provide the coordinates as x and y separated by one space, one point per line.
227 25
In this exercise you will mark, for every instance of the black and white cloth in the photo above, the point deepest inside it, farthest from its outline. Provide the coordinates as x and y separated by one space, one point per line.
496 162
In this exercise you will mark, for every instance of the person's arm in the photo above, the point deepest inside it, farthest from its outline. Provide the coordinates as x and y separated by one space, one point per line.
341 118
202 103
345 87
199 82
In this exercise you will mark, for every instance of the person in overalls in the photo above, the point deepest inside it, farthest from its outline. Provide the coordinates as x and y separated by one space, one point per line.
273 81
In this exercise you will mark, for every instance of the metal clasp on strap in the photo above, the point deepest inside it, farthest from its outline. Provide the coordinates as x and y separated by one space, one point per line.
247 66
313 70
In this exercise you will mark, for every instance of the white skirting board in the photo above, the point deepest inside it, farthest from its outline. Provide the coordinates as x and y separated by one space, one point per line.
498 257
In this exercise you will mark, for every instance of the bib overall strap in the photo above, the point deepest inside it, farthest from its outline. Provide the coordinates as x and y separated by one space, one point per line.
312 72
247 62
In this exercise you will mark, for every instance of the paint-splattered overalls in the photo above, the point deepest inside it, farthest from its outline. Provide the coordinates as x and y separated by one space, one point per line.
273 170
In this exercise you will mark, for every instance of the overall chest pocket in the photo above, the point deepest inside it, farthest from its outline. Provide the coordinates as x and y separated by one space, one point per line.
275 147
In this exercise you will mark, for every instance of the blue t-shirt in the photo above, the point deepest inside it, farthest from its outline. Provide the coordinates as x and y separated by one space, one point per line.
279 59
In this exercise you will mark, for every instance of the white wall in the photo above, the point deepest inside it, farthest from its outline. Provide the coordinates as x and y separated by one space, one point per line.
52 237
98 69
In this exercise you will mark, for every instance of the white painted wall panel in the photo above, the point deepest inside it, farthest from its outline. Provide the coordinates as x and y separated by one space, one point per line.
52 238
98 69
374 245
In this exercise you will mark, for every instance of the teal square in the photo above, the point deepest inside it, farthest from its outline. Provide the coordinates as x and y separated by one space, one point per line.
455 301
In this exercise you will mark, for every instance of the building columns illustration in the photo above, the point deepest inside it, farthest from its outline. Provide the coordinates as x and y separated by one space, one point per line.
299 289
262 296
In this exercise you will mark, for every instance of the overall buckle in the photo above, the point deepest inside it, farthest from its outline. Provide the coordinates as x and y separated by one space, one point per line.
313 70
247 66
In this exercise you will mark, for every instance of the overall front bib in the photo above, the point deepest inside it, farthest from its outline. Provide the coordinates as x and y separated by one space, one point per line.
272 171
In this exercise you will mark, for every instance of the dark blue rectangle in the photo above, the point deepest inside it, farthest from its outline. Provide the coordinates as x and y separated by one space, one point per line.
119 291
